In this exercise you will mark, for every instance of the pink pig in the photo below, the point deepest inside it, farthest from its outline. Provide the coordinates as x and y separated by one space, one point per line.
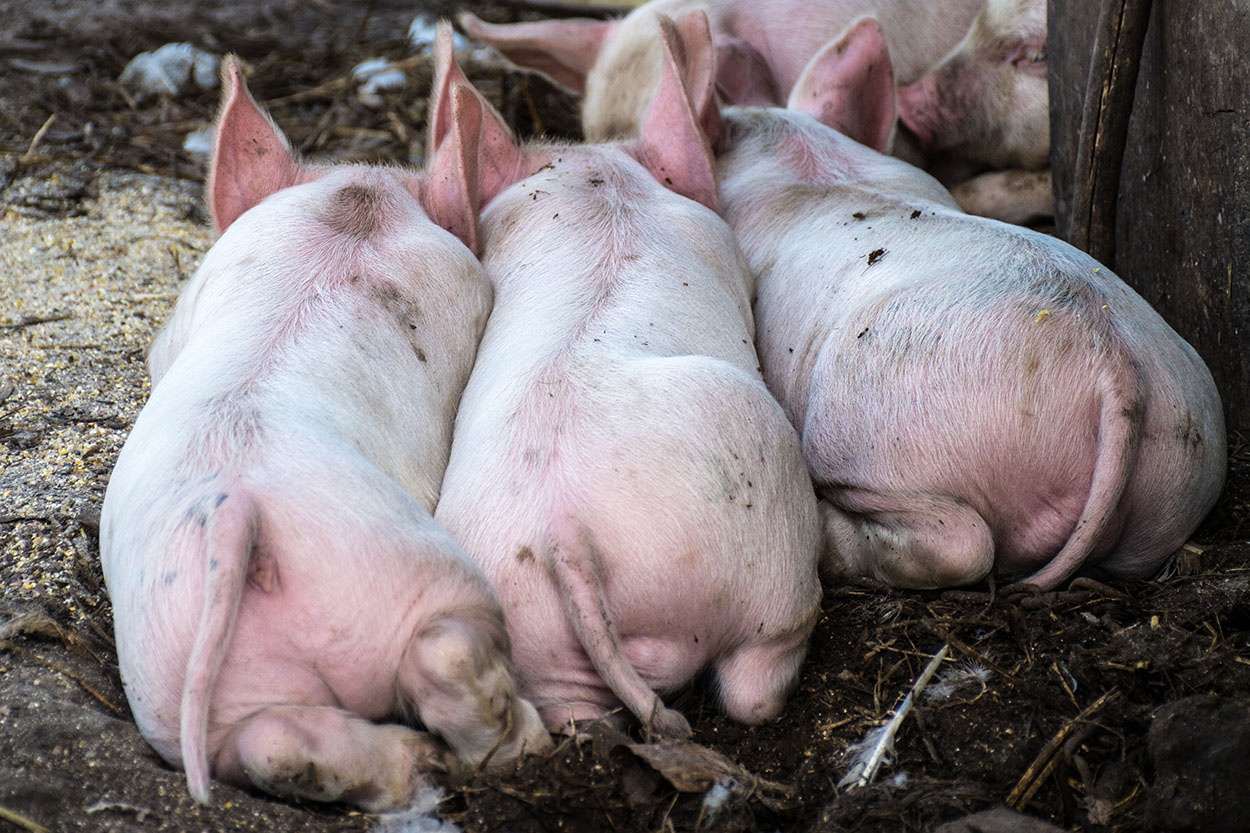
619 469
971 395
278 582
762 48
986 106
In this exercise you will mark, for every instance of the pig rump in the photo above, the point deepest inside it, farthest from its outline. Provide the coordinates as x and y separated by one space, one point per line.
248 634
682 542
958 427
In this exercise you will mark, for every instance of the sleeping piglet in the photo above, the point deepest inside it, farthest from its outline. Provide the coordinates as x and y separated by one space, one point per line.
619 469
279 585
983 113
971 395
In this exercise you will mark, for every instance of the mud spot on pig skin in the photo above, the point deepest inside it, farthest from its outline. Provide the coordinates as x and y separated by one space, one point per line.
355 210
875 256
1187 434
524 554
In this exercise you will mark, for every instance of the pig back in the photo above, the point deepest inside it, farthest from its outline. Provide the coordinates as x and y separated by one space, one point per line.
637 269
616 408
366 328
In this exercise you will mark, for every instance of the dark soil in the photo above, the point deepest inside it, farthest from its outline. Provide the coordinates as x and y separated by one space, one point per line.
1044 704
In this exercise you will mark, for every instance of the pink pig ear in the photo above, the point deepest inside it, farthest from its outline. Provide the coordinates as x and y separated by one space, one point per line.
849 85
682 121
743 76
562 50
446 73
251 158
476 159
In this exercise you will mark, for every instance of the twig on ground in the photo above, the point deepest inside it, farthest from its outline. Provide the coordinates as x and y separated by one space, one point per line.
1031 781
881 740
29 155
21 821
75 677
31 320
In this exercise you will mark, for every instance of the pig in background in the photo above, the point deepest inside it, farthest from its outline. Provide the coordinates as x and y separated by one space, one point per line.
619 469
278 581
983 114
971 395
975 70
762 46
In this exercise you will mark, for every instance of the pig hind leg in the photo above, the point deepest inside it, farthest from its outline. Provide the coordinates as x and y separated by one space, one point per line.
754 681
455 674
906 541
322 753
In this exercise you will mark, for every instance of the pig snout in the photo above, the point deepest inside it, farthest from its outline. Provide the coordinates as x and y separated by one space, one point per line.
921 111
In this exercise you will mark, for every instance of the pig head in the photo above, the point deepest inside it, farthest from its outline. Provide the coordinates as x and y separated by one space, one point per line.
972 396
619 469
986 106
279 585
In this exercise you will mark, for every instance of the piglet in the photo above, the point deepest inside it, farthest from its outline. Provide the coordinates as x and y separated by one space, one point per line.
971 395
762 48
619 469
279 585
986 106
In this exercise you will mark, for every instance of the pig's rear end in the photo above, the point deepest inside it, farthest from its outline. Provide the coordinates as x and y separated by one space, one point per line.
291 601
679 486
1036 428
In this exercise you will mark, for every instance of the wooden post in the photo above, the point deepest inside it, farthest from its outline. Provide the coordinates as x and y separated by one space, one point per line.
1179 211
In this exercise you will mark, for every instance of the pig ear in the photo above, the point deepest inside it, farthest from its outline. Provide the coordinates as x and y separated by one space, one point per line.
742 75
475 161
849 85
446 73
251 158
675 141
562 50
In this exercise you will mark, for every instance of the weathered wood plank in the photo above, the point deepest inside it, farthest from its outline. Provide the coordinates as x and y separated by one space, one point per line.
1182 213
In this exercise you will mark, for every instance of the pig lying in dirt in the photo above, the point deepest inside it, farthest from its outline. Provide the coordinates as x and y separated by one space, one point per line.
762 48
276 585
986 105
619 469
971 395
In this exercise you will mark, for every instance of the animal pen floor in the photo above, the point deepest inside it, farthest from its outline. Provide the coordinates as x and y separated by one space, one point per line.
1044 704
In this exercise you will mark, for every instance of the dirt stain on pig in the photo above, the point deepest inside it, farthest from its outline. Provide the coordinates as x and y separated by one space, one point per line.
1187 433
355 210
524 555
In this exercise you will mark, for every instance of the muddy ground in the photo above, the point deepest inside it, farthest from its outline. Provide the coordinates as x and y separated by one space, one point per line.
1046 702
